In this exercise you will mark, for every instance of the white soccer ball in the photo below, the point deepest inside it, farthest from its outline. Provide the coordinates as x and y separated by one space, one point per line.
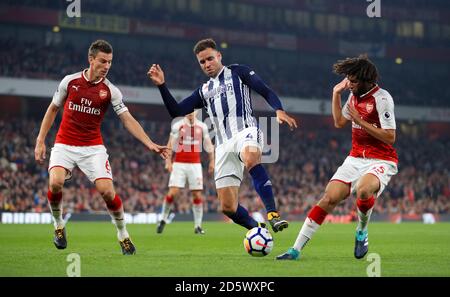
258 242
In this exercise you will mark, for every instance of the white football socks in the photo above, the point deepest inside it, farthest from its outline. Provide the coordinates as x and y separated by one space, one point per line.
363 219
166 207
308 229
197 210
57 211
119 221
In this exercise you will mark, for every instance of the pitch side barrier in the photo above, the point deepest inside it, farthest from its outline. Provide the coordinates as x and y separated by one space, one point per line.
153 218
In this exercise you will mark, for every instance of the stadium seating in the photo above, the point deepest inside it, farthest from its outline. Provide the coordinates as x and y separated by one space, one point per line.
297 79
422 184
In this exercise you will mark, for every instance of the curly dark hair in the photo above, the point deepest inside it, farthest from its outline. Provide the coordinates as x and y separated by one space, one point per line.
361 67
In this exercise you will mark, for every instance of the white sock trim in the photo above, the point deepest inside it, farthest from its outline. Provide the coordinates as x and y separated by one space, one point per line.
306 232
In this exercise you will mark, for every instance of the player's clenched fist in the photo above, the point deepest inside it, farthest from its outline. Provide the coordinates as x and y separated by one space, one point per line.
156 74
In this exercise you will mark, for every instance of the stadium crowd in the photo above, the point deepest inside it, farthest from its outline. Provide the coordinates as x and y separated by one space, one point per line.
264 16
298 78
307 160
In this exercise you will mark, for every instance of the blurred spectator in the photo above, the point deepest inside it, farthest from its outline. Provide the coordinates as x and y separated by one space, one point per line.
307 160
297 78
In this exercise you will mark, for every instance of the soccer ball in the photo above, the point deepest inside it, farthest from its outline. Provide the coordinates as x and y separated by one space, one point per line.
258 242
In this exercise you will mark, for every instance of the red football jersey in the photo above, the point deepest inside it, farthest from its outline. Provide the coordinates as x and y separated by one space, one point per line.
85 104
189 139
377 108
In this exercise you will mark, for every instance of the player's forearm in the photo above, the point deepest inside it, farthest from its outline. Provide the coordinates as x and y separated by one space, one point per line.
273 100
386 136
169 142
175 109
209 148
336 110
47 122
211 157
267 93
137 131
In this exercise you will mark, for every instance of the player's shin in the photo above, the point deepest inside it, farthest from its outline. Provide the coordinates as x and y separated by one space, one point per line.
55 202
364 208
312 223
166 207
242 217
197 209
263 187
115 209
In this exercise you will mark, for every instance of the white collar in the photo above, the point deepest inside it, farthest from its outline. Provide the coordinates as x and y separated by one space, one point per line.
85 77
376 85
221 70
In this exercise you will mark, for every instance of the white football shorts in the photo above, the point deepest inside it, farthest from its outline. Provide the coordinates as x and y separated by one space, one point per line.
92 160
229 168
351 171
186 172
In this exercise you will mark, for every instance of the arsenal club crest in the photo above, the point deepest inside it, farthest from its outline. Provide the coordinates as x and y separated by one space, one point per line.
103 94
369 107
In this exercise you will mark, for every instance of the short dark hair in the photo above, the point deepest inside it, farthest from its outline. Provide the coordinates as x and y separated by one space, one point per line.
361 67
204 44
100 45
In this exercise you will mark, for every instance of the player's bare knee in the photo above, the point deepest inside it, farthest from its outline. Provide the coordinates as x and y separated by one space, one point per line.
250 160
363 192
251 157
173 192
329 201
108 195
56 185
196 195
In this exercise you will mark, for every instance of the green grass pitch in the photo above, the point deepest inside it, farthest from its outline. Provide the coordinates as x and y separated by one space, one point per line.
407 249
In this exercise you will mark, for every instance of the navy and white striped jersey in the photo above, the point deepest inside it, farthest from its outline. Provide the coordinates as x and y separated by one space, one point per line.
227 99
228 103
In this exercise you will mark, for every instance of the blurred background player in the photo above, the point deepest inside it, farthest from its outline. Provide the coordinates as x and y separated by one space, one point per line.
85 97
372 160
187 137
239 142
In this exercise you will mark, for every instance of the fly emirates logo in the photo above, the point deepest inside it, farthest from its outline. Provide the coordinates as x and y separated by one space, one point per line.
85 107
356 126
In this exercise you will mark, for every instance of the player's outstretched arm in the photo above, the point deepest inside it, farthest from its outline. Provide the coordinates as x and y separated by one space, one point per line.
336 107
137 131
253 80
47 122
186 106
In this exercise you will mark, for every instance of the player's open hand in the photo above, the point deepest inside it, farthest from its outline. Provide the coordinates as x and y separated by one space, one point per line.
156 74
163 151
283 117
342 86
39 152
